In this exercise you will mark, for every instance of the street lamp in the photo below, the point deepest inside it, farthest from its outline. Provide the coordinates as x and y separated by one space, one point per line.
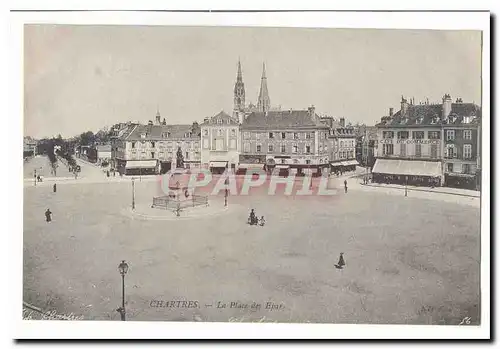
123 268
406 185
133 193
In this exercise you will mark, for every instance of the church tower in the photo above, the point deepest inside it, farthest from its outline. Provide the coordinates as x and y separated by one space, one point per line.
239 91
264 103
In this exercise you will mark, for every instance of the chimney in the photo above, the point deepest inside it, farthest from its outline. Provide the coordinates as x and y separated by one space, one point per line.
311 110
391 111
446 106
164 122
158 118
404 106
342 122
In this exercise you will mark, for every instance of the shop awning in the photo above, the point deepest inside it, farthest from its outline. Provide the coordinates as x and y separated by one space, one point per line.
408 168
252 166
282 167
351 163
464 175
218 163
141 164
335 164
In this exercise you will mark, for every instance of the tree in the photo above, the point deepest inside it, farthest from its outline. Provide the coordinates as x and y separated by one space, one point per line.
180 158
87 138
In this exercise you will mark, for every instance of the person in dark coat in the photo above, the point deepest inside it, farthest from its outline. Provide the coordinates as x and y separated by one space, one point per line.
262 221
345 186
341 262
48 215
252 217
55 188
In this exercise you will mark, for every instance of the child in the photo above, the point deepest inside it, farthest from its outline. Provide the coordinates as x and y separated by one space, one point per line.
262 221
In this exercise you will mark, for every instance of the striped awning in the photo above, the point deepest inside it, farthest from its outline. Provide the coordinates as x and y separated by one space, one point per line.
218 163
408 168
140 164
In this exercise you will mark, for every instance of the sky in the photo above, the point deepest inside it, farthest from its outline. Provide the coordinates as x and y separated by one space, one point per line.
79 78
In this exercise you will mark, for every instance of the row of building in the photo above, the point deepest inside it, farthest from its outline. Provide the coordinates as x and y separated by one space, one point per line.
422 144
253 136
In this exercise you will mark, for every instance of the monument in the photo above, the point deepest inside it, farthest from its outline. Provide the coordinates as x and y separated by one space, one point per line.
179 195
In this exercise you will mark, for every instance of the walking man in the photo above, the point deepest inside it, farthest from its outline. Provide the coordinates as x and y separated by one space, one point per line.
48 216
55 188
345 185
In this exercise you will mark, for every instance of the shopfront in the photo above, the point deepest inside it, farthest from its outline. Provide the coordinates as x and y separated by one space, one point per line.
407 172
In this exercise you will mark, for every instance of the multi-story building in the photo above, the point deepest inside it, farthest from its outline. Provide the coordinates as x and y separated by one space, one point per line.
366 144
29 147
413 144
293 141
341 145
461 142
152 148
220 143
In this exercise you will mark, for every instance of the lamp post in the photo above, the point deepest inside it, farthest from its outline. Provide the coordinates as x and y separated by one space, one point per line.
406 185
133 193
123 268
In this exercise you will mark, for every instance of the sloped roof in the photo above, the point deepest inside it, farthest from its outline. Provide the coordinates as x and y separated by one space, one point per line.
156 132
226 119
429 111
106 147
282 119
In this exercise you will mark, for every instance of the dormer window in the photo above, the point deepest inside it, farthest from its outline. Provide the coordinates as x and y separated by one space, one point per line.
219 121
143 135
467 119
420 119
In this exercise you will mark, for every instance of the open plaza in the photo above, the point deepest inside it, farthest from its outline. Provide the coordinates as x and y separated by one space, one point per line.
409 259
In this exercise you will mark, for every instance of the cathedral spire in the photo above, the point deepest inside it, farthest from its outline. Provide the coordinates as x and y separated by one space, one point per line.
264 102
239 91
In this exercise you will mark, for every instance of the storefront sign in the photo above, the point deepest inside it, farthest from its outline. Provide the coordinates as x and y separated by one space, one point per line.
410 141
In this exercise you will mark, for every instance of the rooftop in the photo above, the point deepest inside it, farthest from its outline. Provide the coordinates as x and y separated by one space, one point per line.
282 120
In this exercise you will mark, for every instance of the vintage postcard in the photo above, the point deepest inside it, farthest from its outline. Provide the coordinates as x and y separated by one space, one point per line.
308 174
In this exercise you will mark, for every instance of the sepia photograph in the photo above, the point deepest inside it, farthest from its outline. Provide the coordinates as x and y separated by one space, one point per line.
253 174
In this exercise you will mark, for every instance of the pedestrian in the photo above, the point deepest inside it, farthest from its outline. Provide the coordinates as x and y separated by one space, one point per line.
341 262
252 219
55 188
48 216
262 221
345 185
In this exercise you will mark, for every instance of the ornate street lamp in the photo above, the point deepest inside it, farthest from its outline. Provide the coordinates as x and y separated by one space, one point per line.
123 268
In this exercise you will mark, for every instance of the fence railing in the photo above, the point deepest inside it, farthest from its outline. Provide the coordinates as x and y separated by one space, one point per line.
167 202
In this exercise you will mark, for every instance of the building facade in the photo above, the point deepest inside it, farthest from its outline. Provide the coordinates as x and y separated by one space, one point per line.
152 148
417 143
293 141
220 143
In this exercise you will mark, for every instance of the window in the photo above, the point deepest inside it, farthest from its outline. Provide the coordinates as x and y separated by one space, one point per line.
308 149
451 151
342 144
434 135
467 151
449 167
283 148
418 135
233 132
283 135
325 148
205 132
219 144
388 149
450 135
418 150
308 135
467 134
246 135
387 134
133 145
403 134
270 148
434 151
295 161
219 133
152 154
257 136
294 149
466 168
219 121
295 135
246 147
143 135
152 144
320 148
259 148
308 162
271 135
283 161
402 150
